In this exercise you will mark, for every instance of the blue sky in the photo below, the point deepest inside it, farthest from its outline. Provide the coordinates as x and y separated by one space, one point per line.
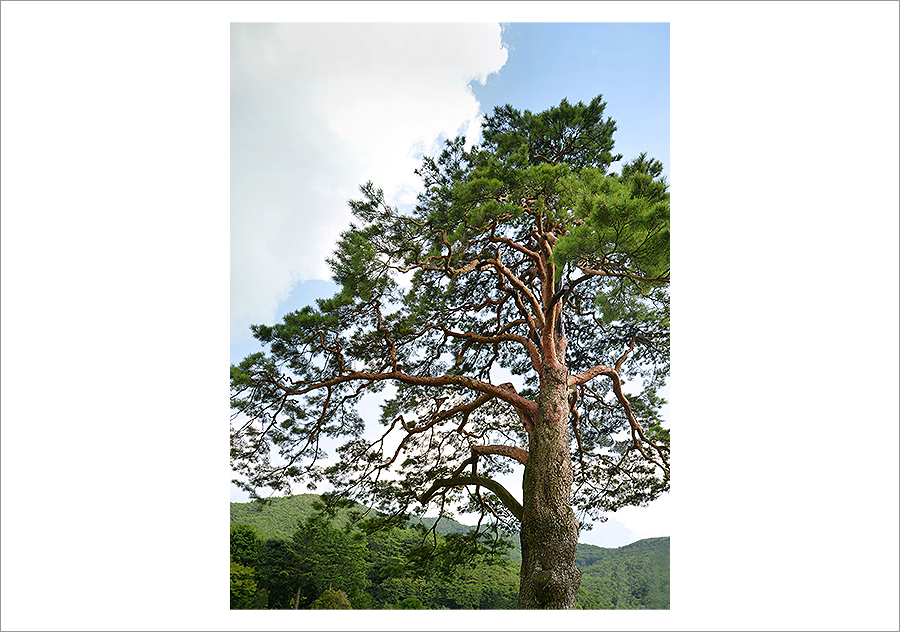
531 66
628 63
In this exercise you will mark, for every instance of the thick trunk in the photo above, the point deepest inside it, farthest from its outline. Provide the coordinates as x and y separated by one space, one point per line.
549 577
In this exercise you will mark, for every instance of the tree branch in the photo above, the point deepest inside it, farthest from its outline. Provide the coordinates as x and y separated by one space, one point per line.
512 451
636 429
500 391
505 497
521 287
582 378
623 275
530 347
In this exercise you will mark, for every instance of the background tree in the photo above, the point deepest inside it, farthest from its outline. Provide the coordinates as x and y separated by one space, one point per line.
246 591
524 259
329 559
332 600
277 573
245 544
243 586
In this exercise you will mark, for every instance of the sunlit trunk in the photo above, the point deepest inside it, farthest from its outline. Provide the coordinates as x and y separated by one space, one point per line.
549 577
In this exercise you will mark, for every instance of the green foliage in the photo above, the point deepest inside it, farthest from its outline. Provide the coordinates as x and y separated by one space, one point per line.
243 586
574 134
277 574
444 554
410 603
329 559
332 600
631 577
621 222
245 543
278 518
326 558
485 587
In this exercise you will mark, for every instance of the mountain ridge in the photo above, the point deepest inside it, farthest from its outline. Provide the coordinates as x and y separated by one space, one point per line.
279 519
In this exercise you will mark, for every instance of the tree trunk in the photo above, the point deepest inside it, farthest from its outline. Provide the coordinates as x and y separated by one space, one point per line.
549 577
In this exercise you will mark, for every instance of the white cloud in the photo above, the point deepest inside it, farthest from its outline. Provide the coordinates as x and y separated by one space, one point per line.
317 110
653 521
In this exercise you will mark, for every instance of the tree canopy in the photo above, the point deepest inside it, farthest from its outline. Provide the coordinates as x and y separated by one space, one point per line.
521 313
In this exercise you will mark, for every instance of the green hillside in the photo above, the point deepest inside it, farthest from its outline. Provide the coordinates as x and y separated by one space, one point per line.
279 518
635 576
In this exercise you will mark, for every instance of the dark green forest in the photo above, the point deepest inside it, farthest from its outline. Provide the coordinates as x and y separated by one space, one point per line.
285 554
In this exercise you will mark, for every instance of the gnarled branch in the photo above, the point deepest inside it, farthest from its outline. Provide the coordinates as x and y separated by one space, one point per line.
501 492
636 430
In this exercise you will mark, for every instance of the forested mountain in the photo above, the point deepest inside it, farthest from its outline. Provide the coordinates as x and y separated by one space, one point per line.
284 554
632 576
278 518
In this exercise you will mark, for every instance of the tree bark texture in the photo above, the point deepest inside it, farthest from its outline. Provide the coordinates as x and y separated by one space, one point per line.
549 577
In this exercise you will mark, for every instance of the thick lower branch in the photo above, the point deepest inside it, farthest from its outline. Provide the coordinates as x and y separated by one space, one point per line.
587 376
511 451
501 391
505 497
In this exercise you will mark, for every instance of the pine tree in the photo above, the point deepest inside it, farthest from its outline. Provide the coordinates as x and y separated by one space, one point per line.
525 255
